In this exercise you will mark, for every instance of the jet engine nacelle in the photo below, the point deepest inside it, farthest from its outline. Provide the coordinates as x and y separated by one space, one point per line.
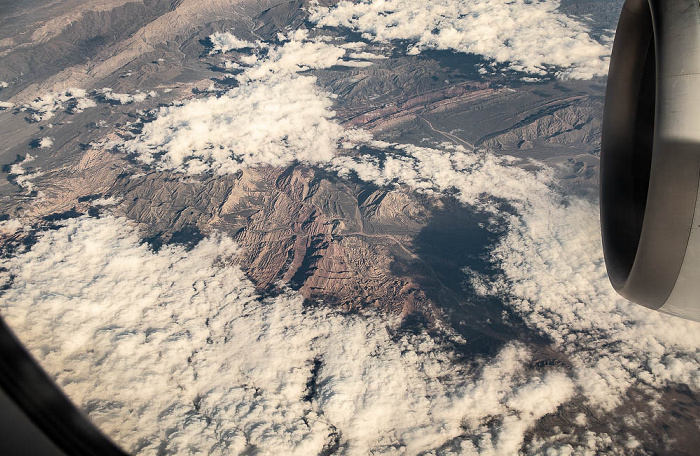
650 157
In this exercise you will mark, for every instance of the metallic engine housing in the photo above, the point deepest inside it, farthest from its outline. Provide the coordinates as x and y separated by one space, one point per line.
650 157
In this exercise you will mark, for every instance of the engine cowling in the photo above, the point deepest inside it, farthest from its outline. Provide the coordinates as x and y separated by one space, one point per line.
650 157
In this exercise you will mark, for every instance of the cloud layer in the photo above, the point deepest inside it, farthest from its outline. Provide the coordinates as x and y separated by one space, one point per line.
553 272
259 123
553 269
526 36
43 107
74 101
282 377
118 326
277 115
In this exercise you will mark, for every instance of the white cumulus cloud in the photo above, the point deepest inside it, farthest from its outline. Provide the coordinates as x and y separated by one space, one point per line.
123 98
271 122
250 360
527 36
23 176
475 177
553 269
43 107
174 351
277 115
551 257
262 122
223 42
367 56
46 142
